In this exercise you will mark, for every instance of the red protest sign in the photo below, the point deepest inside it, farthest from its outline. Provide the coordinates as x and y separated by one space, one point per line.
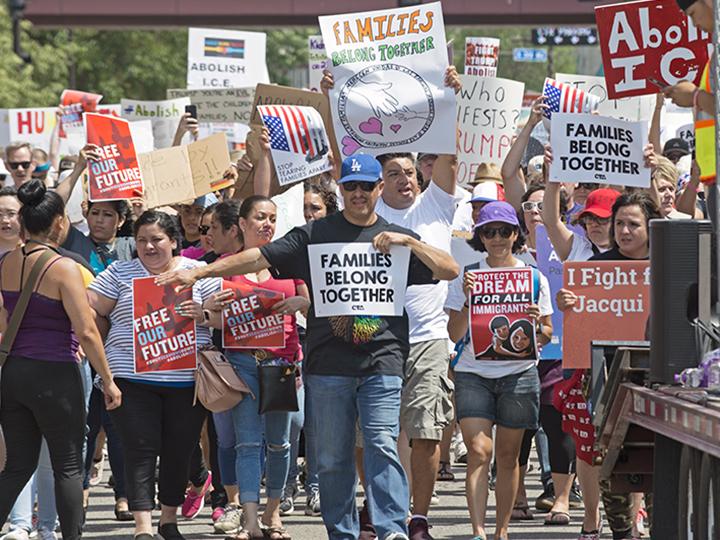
249 322
613 304
75 103
648 44
162 339
116 175
499 326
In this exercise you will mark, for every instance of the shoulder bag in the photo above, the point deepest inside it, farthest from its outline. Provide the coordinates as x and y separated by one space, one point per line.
217 385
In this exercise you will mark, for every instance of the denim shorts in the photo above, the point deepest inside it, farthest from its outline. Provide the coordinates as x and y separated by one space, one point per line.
512 401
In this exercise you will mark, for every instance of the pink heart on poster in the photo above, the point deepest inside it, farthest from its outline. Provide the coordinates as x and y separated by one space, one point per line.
371 126
395 127
350 145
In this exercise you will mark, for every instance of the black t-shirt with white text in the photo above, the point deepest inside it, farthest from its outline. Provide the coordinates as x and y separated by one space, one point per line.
613 254
346 345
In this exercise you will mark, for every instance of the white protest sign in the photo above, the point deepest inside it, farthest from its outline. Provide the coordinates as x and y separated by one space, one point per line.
225 58
632 109
481 56
687 134
487 112
357 280
317 62
298 142
389 69
289 210
33 125
591 148
219 105
141 132
164 115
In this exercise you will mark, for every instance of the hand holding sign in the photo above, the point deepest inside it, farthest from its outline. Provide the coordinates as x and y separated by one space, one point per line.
385 240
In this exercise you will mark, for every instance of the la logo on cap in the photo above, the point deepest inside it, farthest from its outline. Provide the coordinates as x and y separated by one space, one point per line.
355 167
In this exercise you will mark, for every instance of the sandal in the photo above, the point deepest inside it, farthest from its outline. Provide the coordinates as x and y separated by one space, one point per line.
244 534
276 533
445 473
557 518
521 512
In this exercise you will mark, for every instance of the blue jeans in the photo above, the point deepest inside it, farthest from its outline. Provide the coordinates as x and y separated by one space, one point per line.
226 446
249 429
336 403
298 421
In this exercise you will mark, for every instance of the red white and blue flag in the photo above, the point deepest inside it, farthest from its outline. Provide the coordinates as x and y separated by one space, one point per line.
567 98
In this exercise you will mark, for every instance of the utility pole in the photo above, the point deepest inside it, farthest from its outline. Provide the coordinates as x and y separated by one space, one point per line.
16 9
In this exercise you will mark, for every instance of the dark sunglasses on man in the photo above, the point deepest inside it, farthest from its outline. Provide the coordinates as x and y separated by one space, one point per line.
14 165
352 185
505 231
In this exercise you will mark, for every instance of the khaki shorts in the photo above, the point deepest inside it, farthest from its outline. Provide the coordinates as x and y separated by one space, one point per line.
427 407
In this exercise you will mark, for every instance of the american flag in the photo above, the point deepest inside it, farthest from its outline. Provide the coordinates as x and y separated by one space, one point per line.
288 128
566 98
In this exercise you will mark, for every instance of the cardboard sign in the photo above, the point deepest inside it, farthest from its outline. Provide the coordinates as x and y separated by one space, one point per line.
298 142
357 280
225 58
487 114
317 62
209 159
613 304
481 56
647 45
75 103
590 148
389 69
164 115
162 339
249 322
632 109
219 105
499 326
117 174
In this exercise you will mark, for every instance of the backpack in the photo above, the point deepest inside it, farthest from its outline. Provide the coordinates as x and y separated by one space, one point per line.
217 386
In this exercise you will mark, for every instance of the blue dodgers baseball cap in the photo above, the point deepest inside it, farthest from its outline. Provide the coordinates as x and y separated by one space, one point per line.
205 200
497 211
360 168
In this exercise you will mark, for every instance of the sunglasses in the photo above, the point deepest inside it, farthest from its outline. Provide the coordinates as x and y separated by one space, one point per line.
594 219
204 229
505 231
367 187
588 186
531 206
16 164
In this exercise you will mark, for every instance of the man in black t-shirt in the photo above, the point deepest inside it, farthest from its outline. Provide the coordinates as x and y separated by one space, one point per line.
358 342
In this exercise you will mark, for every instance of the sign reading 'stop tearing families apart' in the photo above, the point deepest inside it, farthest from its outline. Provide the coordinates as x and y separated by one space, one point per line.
249 321
647 45
389 69
356 279
163 340
500 328
116 175
590 148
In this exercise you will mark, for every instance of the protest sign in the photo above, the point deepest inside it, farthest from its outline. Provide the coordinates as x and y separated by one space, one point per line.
298 142
613 304
33 125
74 104
317 62
164 115
289 210
499 326
632 109
487 112
590 148
225 58
209 159
481 56
357 280
687 134
249 321
116 175
142 135
163 340
647 45
389 69
219 104
566 98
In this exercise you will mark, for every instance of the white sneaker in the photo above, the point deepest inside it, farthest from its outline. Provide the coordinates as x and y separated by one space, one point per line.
46 534
16 534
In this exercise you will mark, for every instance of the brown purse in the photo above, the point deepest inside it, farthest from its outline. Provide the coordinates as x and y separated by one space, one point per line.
217 386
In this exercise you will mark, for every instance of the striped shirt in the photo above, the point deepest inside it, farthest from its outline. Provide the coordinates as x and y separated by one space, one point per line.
116 283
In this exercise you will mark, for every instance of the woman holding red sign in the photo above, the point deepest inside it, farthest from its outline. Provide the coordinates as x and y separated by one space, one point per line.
502 392
157 417
257 223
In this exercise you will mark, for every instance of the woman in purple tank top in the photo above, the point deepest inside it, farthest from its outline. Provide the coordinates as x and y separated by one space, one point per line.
41 386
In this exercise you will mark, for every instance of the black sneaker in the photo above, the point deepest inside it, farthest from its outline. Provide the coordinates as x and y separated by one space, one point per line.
170 531
287 503
575 496
546 500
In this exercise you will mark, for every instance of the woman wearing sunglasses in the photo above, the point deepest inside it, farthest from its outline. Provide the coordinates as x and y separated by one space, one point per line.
501 393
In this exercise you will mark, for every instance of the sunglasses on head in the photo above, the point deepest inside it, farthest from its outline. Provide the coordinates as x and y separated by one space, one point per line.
505 231
15 164
204 229
588 186
531 206
354 184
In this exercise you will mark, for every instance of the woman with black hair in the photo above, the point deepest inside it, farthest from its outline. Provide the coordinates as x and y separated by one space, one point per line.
519 344
110 224
158 417
501 393
42 391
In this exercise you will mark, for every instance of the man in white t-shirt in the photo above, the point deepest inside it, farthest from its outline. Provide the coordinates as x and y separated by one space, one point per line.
426 401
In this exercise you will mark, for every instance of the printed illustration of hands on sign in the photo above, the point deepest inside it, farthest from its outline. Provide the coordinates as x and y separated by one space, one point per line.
378 96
